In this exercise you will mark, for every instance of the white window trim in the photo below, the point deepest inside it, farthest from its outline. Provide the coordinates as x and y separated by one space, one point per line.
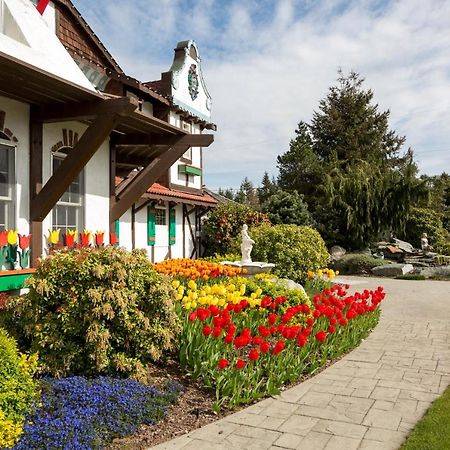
82 204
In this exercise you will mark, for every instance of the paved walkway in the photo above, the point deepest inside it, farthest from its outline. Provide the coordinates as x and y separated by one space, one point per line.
370 399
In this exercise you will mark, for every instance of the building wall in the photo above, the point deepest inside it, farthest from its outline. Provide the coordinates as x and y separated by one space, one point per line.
96 178
17 120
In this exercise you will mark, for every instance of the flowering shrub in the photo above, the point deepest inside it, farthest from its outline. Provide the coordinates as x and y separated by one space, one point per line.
97 311
194 269
76 413
293 249
320 280
248 352
17 389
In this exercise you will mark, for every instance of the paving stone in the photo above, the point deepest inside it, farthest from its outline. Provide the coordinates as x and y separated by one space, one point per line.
289 440
214 432
362 383
314 440
319 399
271 423
368 444
332 412
245 418
257 433
339 443
296 424
383 405
174 444
383 435
385 393
281 410
389 420
332 389
340 428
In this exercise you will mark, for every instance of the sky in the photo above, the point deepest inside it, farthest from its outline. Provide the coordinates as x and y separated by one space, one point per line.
268 63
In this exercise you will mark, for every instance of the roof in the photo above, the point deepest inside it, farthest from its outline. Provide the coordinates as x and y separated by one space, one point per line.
159 192
162 191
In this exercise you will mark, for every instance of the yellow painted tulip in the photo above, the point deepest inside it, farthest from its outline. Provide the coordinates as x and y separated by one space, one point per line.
12 237
54 236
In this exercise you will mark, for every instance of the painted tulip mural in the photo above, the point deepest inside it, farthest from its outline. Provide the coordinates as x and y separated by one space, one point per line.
14 249
73 239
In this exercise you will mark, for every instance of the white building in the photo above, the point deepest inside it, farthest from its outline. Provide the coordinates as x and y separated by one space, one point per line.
84 146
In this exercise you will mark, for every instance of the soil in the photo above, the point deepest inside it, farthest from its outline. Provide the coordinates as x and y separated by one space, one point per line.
192 410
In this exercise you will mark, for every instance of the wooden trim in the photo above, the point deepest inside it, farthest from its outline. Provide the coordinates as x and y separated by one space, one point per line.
186 189
74 163
112 185
184 230
83 111
150 174
36 134
133 227
17 272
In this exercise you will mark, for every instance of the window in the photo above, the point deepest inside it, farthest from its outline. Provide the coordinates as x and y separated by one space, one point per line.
160 217
186 126
68 212
7 187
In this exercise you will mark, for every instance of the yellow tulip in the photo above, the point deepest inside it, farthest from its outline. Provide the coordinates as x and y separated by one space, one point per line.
12 237
54 236
175 284
192 285
72 233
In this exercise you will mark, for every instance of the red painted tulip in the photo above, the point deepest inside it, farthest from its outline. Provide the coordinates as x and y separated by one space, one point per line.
113 239
99 238
3 238
24 241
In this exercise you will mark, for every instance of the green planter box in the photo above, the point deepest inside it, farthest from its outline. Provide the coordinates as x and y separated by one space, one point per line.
11 280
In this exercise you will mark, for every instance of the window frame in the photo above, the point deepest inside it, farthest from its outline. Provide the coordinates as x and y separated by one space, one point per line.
158 216
12 183
80 206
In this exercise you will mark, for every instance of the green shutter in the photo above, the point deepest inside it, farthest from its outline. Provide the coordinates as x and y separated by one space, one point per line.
151 225
117 231
172 226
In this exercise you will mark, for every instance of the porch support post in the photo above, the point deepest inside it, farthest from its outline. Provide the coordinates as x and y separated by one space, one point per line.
151 173
78 157
35 187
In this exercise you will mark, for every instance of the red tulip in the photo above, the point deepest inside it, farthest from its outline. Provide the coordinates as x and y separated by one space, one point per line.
99 238
192 316
113 239
217 331
24 241
321 336
279 346
264 347
222 364
253 355
240 364
3 238
207 330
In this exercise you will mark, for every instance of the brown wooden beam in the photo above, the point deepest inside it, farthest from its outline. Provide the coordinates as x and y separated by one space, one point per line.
152 172
36 133
75 161
82 110
198 140
112 185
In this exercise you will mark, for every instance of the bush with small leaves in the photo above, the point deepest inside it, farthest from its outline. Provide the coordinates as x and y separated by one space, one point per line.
97 312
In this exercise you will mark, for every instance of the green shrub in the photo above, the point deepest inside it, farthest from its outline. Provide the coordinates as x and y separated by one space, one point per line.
287 208
227 257
17 389
442 247
293 249
98 311
425 220
224 224
353 264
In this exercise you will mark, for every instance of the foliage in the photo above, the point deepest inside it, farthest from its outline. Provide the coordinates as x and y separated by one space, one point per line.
17 389
77 413
268 188
97 311
433 430
224 224
246 353
347 164
293 249
217 258
357 263
425 220
247 194
288 208
443 248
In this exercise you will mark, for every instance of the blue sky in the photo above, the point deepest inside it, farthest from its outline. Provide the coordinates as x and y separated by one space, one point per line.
267 63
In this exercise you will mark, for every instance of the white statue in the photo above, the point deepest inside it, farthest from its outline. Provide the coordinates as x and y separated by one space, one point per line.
425 246
246 246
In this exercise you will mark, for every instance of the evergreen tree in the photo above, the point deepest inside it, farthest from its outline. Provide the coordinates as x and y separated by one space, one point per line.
287 208
347 163
267 189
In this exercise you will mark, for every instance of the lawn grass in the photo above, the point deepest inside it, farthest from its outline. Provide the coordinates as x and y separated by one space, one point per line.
433 431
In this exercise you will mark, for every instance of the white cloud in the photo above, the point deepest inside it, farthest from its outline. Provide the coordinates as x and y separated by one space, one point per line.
268 63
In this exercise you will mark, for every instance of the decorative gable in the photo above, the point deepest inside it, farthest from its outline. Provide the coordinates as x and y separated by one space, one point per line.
184 81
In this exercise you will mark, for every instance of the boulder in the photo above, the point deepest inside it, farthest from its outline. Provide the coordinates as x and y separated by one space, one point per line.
405 246
337 252
392 270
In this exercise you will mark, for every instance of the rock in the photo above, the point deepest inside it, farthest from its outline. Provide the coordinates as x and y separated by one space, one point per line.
428 272
290 284
337 252
392 270
405 246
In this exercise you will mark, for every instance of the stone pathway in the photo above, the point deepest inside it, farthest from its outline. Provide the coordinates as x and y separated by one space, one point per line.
370 399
